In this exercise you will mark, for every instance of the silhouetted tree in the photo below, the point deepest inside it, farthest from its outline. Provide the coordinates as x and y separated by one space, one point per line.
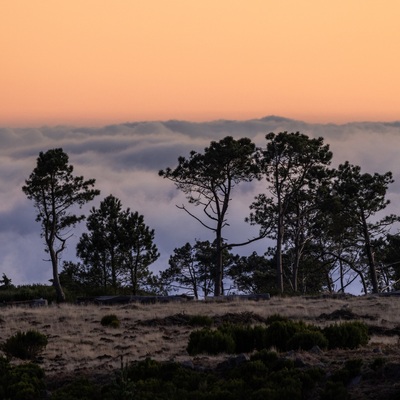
54 191
118 247
293 166
362 197
208 180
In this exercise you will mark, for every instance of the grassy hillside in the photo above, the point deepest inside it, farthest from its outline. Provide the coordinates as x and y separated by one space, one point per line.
79 345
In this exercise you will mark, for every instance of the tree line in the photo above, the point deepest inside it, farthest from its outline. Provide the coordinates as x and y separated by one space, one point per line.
325 224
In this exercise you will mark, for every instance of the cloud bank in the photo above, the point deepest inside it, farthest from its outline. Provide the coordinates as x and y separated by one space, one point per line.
125 160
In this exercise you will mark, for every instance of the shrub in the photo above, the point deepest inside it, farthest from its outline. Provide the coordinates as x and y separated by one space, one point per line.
211 342
266 356
24 381
348 335
306 340
377 363
279 333
200 320
25 345
335 391
79 389
242 335
276 317
110 320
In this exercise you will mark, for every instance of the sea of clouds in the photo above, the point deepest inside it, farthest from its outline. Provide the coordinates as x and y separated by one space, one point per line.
125 160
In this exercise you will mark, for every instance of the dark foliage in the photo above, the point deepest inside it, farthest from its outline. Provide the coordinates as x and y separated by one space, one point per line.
110 320
21 382
347 335
25 345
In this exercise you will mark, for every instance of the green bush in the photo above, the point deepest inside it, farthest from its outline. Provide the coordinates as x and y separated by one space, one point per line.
279 333
29 292
79 389
25 345
335 391
276 317
266 356
284 335
347 335
246 338
21 382
351 369
200 320
307 339
211 342
110 320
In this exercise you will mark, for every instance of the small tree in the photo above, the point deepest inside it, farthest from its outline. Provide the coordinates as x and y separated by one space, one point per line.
139 249
118 247
193 268
101 248
253 274
5 281
54 191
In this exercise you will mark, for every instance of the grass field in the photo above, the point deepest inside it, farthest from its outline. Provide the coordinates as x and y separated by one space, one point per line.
79 344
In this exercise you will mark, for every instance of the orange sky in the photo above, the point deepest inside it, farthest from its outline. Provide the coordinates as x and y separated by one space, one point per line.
99 61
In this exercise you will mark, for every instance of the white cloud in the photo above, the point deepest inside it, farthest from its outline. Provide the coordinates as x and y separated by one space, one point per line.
125 159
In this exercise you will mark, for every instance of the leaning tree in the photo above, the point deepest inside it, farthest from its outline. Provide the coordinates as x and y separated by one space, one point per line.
55 191
362 198
208 179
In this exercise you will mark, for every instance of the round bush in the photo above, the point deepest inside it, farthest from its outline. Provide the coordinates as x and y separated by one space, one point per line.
307 340
211 342
25 345
110 320
200 320
348 335
279 333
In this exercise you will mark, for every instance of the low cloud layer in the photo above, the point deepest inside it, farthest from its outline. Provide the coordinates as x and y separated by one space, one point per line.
125 159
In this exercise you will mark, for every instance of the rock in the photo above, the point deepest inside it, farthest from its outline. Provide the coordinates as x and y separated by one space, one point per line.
316 350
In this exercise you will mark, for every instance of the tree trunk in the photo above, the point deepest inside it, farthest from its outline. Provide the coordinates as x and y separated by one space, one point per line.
370 256
279 242
56 279
219 266
341 276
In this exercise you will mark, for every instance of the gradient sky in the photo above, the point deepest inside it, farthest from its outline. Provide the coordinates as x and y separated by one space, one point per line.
98 61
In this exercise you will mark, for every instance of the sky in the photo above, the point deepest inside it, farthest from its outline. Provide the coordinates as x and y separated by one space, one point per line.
96 62
126 87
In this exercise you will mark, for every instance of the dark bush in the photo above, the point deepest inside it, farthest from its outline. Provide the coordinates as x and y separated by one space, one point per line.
347 335
29 292
279 333
211 342
377 363
110 320
247 338
25 345
351 369
266 356
306 340
335 391
200 320
80 389
19 382
276 317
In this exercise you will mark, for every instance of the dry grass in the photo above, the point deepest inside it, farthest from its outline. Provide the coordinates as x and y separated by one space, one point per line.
78 342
